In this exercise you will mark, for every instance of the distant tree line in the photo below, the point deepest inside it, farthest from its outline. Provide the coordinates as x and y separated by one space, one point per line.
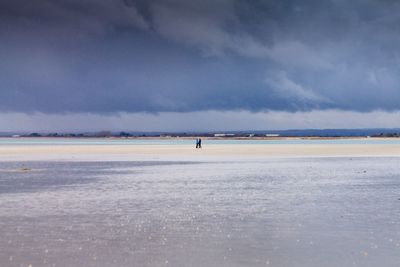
387 135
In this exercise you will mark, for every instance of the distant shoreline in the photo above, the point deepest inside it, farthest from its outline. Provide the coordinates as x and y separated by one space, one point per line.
207 137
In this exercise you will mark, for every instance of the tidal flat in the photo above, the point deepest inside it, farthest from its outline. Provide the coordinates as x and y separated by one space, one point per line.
327 211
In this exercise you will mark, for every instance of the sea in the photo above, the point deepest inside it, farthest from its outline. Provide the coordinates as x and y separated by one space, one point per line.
187 141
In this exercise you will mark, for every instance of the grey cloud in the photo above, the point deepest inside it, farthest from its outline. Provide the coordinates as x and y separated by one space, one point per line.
105 56
284 87
197 121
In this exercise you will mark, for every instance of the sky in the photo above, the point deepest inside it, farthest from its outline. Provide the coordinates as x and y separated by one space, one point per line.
199 65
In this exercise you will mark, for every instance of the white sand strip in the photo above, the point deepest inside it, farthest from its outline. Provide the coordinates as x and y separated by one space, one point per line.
188 152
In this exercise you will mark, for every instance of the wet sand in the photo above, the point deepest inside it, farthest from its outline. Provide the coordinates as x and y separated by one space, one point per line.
306 205
305 212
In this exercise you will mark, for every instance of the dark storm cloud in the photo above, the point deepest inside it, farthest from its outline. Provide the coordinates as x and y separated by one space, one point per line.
177 55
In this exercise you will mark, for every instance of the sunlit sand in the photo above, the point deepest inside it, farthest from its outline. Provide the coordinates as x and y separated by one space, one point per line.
179 152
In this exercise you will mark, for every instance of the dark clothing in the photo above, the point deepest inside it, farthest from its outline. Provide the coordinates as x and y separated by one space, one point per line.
198 143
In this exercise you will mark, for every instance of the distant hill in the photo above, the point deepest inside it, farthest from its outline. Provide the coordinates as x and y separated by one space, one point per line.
335 132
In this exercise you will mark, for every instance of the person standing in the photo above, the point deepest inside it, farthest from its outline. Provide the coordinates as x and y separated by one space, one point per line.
199 142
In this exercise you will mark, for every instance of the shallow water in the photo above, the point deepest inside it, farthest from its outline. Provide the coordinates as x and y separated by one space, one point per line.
276 212
179 141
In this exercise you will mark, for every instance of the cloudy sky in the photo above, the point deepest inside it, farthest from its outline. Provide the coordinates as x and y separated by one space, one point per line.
199 64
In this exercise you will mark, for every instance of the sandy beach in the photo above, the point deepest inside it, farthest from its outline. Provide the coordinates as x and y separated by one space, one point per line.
149 205
188 152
